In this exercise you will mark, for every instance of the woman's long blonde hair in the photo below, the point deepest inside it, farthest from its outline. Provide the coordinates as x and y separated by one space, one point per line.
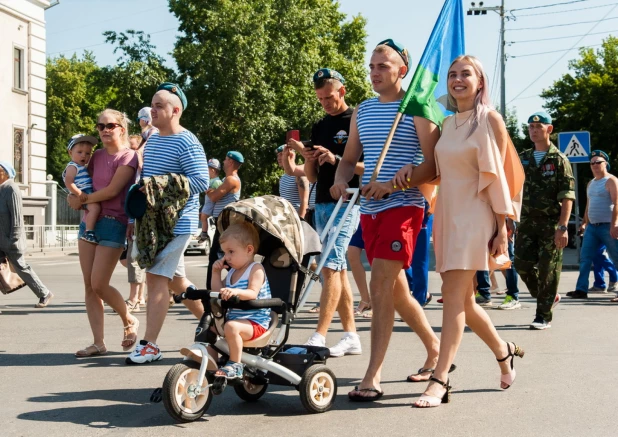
121 118
482 101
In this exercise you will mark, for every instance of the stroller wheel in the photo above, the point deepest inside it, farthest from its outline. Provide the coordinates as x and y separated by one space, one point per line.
250 392
318 388
180 395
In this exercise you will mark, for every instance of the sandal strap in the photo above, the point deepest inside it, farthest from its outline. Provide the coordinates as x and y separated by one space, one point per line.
508 346
425 370
442 383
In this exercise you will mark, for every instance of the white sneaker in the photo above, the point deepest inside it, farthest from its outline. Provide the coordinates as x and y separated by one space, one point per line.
316 340
348 345
612 286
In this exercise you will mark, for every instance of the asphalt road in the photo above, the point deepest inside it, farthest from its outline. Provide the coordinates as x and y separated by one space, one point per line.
565 384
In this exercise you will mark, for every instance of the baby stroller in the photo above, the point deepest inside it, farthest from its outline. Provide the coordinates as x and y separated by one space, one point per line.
287 245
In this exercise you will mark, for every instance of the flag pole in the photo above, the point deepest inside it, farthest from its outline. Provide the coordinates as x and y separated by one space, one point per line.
387 144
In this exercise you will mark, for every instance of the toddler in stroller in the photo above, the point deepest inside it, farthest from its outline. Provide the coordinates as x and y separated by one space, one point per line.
246 280
255 357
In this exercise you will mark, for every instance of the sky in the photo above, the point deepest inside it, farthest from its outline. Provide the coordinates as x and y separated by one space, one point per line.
531 32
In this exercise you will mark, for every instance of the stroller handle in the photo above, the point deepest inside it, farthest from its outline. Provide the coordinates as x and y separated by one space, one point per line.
234 302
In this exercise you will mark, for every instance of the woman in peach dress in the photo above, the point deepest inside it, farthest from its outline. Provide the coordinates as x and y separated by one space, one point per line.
473 201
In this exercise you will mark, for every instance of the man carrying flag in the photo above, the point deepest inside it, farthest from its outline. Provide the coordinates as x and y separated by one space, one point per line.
390 225
393 206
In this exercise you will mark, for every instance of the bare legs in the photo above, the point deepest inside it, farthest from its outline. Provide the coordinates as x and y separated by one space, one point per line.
358 272
390 292
460 309
336 295
98 290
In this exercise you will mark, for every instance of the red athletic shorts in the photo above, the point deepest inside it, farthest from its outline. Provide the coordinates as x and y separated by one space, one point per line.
391 234
258 330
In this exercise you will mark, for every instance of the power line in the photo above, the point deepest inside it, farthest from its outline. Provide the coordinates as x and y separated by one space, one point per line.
560 58
103 43
548 6
565 11
556 51
560 37
564 24
493 79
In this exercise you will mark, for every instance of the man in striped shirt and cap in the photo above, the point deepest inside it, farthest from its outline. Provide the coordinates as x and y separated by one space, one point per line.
390 218
173 149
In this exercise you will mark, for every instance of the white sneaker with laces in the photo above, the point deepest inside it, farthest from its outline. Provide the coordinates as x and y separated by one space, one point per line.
316 339
348 345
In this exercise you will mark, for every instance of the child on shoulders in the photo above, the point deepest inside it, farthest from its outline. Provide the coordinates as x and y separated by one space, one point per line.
78 181
247 280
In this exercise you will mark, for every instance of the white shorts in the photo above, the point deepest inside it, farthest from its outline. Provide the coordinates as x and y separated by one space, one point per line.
170 261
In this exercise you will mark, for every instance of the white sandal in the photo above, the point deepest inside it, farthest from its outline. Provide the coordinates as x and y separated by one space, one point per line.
434 401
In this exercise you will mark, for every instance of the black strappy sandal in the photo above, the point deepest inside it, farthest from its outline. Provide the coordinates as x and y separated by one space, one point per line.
509 378
426 370
433 401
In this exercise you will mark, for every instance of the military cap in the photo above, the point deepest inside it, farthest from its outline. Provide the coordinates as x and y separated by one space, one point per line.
236 156
399 48
540 117
327 73
602 154
81 138
280 149
174 89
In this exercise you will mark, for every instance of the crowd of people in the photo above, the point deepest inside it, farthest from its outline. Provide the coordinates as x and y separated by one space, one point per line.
490 213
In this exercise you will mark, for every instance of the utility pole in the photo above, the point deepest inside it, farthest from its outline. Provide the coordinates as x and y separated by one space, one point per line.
482 10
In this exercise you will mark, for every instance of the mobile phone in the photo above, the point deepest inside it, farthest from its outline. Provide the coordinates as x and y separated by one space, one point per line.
292 134
308 144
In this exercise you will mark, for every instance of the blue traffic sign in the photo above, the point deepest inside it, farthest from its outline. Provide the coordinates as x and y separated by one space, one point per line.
575 145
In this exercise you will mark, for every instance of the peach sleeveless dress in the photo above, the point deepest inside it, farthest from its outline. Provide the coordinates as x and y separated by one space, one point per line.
473 188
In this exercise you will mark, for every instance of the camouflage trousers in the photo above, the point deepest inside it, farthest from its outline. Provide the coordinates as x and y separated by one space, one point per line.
538 262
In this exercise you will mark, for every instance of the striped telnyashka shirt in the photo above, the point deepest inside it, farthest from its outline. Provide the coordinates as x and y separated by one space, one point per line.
374 121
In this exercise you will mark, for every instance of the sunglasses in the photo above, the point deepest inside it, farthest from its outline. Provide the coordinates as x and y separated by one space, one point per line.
597 162
401 51
109 126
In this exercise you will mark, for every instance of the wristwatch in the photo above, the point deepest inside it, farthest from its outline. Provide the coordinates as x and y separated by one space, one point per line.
563 228
337 158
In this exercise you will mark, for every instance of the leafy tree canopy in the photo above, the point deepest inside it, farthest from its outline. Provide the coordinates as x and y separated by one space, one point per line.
247 68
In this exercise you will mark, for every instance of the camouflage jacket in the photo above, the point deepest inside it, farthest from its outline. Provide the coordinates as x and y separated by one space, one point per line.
547 183
166 196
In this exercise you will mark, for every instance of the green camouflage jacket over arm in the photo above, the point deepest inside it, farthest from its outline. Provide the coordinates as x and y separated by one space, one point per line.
166 196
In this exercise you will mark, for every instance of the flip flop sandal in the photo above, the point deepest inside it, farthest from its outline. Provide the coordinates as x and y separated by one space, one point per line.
315 309
358 311
424 370
91 350
367 314
134 325
359 398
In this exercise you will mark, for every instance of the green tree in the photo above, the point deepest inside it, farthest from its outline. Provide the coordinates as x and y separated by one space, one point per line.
247 69
585 99
74 100
137 73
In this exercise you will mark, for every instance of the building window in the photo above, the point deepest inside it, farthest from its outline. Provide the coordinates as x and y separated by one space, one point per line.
29 223
18 69
18 154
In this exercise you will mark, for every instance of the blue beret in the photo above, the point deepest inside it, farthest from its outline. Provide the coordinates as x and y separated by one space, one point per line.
135 202
174 89
602 154
8 169
540 117
327 73
280 149
236 156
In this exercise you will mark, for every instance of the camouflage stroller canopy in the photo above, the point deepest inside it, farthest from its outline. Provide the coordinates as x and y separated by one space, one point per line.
272 214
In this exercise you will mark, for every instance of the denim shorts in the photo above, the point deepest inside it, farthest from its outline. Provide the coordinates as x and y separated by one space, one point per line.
109 232
335 260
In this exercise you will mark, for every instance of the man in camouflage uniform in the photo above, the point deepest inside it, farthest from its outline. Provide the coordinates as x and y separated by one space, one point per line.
549 192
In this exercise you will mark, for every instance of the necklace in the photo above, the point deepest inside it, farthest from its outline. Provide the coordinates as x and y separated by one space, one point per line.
457 126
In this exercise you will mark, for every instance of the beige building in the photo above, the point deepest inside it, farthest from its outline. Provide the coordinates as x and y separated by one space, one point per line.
22 100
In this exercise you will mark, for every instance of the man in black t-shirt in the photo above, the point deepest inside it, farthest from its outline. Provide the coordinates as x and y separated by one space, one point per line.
329 137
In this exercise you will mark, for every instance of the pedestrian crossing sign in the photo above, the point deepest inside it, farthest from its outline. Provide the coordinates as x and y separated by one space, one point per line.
575 145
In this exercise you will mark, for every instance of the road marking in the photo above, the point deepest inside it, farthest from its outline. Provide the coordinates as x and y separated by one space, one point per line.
56 263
